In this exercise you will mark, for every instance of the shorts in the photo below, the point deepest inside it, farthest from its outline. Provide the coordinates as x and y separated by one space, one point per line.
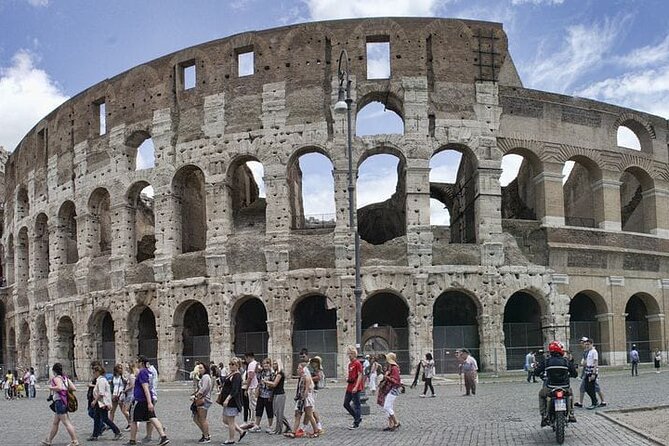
60 407
310 400
230 411
139 412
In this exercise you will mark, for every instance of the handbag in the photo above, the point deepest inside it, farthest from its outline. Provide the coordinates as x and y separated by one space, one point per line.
199 401
219 399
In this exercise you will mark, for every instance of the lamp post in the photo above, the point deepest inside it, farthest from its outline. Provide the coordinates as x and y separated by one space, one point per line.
343 104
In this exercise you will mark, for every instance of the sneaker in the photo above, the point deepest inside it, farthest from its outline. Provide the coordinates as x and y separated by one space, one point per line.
571 419
130 443
353 426
578 405
298 433
163 440
255 429
594 406
127 428
205 439
434 395
117 436
602 404
92 438
422 395
269 430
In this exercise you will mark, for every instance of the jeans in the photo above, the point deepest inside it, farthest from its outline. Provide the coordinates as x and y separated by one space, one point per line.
635 368
355 410
590 388
97 424
101 418
428 384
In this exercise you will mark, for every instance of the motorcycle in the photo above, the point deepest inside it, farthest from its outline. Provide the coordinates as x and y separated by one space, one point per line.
558 410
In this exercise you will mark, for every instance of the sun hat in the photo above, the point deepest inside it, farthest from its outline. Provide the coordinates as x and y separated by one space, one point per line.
391 358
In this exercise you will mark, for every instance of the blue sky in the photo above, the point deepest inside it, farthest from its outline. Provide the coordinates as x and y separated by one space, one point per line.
611 50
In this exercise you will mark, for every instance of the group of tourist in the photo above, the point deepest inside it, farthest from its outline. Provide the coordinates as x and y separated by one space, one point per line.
132 391
19 385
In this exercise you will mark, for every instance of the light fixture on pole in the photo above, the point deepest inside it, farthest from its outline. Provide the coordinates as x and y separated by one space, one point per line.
343 104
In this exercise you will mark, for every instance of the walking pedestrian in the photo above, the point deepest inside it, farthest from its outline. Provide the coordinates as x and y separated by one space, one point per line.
657 360
634 359
602 402
469 370
591 372
392 387
264 397
231 400
32 381
305 402
89 399
428 374
153 389
354 386
529 366
279 397
202 402
59 385
102 401
118 389
373 374
142 409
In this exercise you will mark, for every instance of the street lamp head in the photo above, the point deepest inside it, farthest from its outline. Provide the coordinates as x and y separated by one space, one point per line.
341 106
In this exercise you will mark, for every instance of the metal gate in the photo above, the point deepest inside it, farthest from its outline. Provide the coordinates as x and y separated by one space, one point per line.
447 339
252 341
321 343
519 339
637 333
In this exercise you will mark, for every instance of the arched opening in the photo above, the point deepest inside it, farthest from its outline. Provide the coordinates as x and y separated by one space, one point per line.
517 180
147 336
23 346
315 328
453 187
636 209
580 200
385 327
22 204
454 325
142 218
67 228
522 328
250 328
41 250
247 194
64 348
23 258
104 338
375 118
583 310
311 184
627 138
643 325
42 346
194 335
99 207
191 208
381 198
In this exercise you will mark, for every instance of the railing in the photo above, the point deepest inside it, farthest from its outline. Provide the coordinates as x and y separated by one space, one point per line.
321 343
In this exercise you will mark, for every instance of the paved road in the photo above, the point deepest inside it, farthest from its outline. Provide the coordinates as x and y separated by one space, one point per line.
502 413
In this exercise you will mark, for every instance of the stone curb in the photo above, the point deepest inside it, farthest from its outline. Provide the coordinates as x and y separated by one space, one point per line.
632 428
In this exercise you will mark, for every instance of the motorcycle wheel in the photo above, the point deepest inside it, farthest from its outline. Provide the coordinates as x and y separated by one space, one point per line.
560 423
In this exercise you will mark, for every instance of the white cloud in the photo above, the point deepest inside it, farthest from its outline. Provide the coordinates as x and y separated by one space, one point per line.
537 2
378 60
39 2
27 94
510 168
146 155
341 9
584 49
439 215
647 55
258 172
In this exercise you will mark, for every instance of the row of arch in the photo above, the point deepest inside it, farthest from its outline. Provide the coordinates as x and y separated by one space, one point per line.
385 323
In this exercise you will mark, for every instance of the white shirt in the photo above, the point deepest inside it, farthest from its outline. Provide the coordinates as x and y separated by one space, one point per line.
253 366
592 357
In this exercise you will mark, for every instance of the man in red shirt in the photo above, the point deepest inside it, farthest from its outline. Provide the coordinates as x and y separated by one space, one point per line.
354 387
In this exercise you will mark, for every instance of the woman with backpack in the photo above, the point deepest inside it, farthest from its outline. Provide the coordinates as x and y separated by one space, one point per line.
59 386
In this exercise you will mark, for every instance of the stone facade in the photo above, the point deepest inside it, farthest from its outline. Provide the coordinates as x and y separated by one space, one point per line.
95 269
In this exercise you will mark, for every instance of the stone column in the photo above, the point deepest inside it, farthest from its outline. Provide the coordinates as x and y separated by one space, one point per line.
124 243
491 342
488 201
418 229
346 320
343 237
420 322
656 217
85 223
656 332
550 197
218 212
167 231
606 335
606 198
277 219
167 358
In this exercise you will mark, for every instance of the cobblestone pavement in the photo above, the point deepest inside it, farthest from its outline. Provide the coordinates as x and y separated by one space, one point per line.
504 412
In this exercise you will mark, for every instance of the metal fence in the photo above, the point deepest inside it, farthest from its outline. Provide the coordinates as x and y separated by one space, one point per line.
449 338
519 339
252 341
321 343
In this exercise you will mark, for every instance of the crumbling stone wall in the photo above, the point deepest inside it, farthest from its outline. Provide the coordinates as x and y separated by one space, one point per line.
219 244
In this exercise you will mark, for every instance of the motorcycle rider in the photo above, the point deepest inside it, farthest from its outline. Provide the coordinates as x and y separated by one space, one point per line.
558 370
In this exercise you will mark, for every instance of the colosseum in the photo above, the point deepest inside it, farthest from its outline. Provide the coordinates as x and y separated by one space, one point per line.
176 254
